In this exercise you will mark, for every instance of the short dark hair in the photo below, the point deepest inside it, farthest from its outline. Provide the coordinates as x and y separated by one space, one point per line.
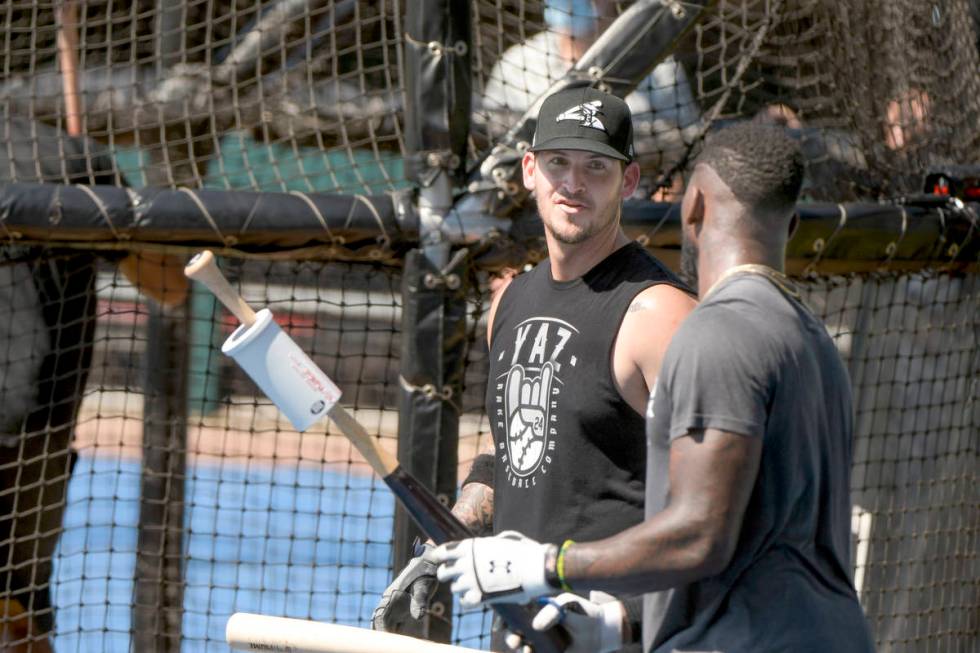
760 163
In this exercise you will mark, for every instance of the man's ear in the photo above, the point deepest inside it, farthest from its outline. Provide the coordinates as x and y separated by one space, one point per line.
692 206
527 167
631 179
794 223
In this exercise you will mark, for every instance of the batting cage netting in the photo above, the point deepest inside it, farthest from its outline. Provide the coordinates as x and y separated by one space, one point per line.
354 165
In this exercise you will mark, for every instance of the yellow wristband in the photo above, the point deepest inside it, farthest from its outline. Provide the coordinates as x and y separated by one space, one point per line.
560 565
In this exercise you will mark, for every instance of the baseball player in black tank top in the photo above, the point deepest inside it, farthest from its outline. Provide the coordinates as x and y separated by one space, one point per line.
568 461
567 388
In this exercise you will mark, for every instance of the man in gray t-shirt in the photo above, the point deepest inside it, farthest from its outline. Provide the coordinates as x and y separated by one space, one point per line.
745 544
752 360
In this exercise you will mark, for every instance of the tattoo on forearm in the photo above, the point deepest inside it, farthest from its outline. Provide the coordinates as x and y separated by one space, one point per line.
639 305
475 508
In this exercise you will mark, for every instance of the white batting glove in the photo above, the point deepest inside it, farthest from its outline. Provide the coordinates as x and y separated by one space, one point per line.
594 625
507 568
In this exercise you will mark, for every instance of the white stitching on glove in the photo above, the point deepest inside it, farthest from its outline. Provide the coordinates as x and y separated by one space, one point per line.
506 568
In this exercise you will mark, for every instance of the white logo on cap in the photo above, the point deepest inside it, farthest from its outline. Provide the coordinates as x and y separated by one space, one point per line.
587 114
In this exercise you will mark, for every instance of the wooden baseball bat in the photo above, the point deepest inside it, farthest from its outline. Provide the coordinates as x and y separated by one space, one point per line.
258 632
434 518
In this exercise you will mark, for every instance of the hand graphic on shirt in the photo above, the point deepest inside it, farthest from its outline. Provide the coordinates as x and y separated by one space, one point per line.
527 410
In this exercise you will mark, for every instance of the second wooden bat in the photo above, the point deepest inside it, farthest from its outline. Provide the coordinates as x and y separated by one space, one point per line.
258 632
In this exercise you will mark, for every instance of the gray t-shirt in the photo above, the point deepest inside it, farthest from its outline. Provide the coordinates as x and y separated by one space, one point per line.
751 360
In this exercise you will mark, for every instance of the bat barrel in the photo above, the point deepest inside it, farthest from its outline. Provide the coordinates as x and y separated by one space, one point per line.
256 632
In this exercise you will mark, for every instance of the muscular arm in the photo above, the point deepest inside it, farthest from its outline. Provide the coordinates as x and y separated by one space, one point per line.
646 330
712 474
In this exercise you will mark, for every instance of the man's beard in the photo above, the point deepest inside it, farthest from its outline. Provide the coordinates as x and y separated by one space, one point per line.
689 261
586 232
576 237
600 222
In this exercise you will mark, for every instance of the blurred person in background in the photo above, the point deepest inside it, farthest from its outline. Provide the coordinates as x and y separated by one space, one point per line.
47 327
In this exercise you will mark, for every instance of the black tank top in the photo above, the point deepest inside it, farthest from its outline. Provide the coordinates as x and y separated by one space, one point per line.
570 453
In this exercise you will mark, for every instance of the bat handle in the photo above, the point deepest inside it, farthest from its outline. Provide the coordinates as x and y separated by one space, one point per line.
204 268
438 522
382 462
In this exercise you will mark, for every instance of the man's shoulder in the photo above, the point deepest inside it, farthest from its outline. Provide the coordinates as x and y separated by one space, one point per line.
744 298
708 322
506 295
718 328
638 266
649 264
748 318
658 301
773 307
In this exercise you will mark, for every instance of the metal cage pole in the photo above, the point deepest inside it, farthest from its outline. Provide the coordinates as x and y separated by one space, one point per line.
158 594
437 43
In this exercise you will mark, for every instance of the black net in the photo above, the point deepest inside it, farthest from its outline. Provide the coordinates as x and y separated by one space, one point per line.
294 524
265 95
877 90
911 345
307 94
274 521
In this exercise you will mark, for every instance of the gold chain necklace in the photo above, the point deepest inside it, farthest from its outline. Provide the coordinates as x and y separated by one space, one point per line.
777 278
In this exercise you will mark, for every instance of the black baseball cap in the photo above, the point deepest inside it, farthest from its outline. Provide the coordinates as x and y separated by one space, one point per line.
583 118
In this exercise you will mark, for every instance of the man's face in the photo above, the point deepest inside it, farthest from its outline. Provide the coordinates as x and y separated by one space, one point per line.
578 193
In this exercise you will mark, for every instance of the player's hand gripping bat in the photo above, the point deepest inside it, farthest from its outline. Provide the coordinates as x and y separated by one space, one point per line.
432 517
